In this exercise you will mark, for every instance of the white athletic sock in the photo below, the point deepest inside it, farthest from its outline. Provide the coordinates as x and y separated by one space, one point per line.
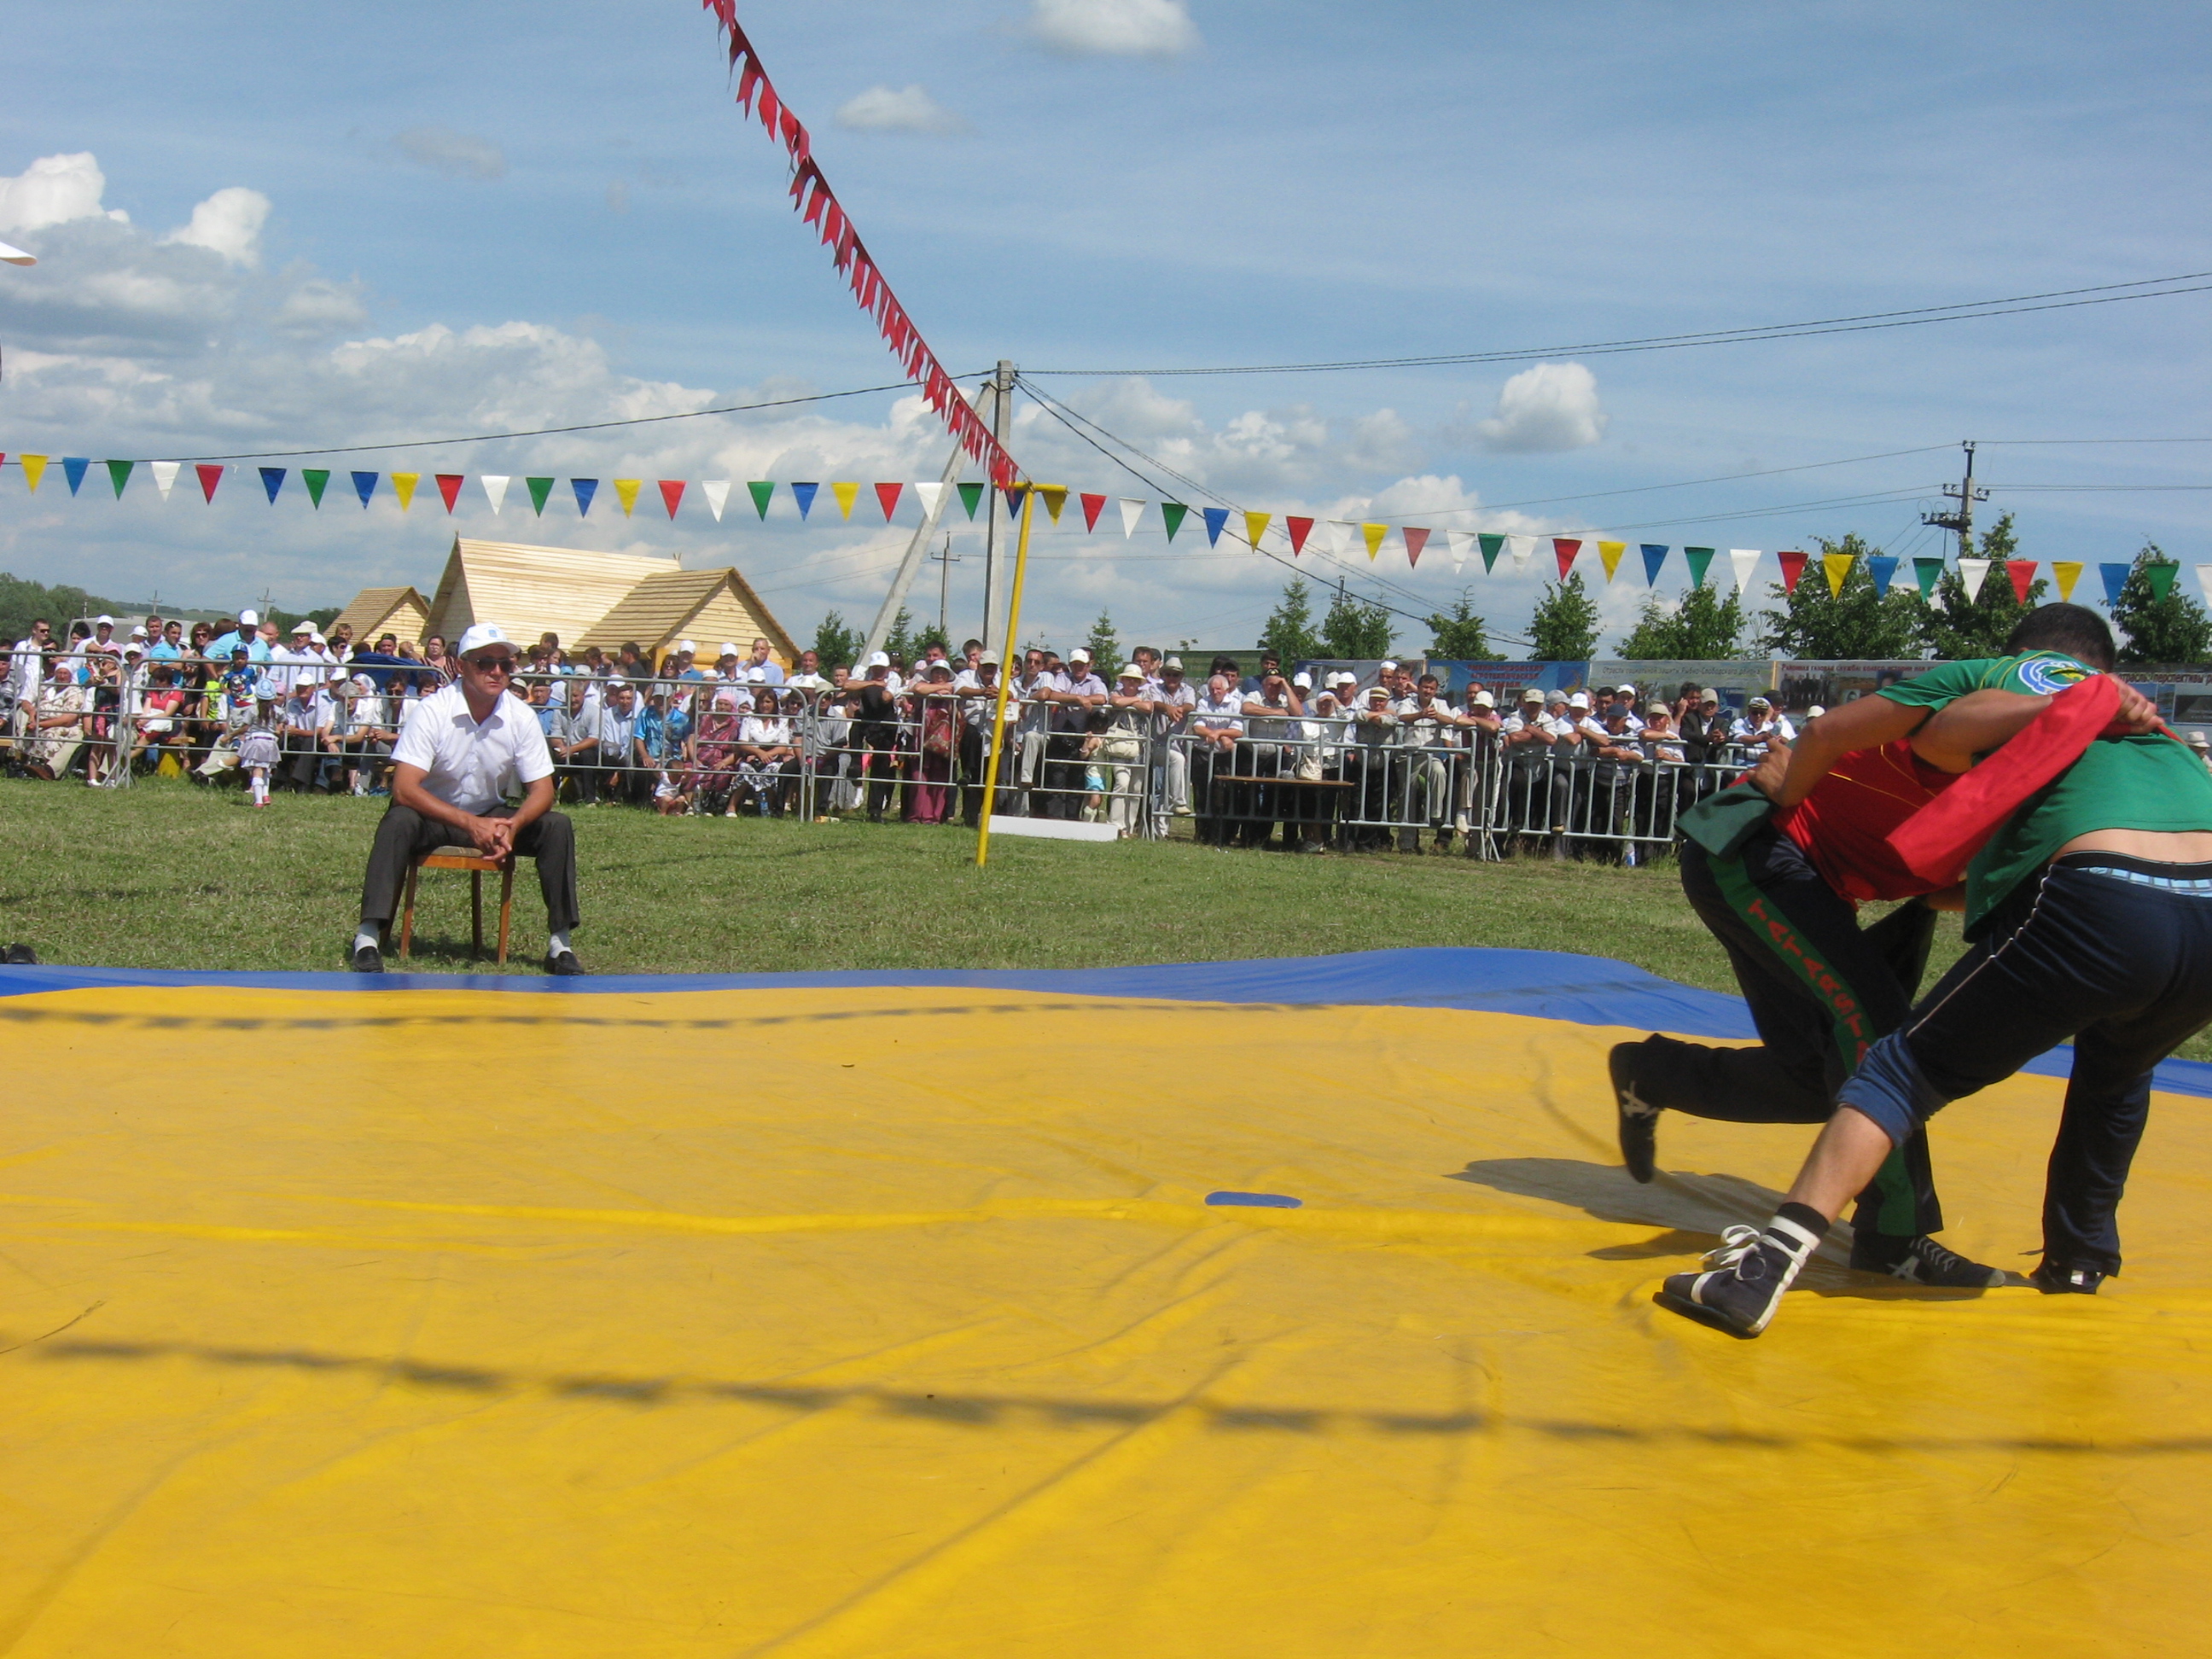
369 938
555 943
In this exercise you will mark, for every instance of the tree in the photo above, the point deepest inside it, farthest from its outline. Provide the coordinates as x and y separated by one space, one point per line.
1105 649
1563 626
1289 630
2173 630
834 643
1354 631
1460 635
898 644
1854 621
22 600
1956 628
1702 626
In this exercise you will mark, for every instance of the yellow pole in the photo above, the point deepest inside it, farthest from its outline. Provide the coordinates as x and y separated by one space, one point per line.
1005 680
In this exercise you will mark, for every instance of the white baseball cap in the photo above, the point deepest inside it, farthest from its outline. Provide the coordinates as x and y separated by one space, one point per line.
728 648
989 659
1656 709
105 620
880 660
318 638
478 636
1389 668
1530 694
1175 663
249 619
1079 655
303 626
1304 682
1623 690
1578 701
685 645
140 633
1484 700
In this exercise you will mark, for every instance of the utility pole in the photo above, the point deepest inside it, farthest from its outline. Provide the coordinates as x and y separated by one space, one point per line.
1002 400
1961 523
946 558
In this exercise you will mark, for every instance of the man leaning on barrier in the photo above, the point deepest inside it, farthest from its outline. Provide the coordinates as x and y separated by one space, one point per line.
463 750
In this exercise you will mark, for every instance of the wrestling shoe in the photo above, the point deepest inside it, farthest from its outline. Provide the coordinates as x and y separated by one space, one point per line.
1744 1278
2054 1278
1921 1261
1639 1122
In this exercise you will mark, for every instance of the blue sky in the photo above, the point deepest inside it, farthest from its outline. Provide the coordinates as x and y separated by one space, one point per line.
502 215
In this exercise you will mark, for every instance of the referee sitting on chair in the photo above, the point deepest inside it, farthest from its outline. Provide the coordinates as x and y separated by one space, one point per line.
459 753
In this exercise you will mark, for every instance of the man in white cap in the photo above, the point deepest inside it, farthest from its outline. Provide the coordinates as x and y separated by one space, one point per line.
1073 693
1761 721
464 749
247 632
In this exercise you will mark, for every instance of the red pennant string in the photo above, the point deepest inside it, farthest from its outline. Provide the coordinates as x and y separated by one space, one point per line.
888 494
671 494
210 476
1563 550
1299 529
1416 539
449 486
1092 506
2022 572
1793 567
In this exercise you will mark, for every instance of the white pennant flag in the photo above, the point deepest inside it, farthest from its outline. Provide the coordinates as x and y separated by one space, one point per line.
1523 548
1131 512
165 474
495 485
1974 573
1338 532
717 491
1461 542
1746 560
928 493
2204 579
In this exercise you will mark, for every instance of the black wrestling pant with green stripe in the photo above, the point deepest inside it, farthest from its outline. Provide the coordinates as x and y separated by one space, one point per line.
1821 991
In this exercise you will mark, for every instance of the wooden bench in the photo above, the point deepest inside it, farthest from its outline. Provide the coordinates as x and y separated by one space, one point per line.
459 858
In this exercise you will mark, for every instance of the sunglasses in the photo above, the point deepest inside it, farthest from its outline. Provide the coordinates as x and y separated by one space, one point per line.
491 665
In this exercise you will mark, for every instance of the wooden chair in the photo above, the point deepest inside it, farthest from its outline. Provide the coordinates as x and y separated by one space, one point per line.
461 858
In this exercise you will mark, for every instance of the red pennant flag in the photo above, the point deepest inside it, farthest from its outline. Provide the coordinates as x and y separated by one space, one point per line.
888 494
449 486
1564 551
1299 529
210 476
1793 567
1416 539
1092 506
672 495
2022 572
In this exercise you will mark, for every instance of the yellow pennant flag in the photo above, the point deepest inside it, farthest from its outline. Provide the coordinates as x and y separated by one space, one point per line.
1611 552
626 491
2068 571
402 485
1055 497
1838 566
34 468
1256 526
846 493
1373 533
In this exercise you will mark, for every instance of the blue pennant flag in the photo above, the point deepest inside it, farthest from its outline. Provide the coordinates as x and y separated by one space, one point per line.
75 465
1015 495
2116 578
804 494
1881 568
272 480
585 489
1654 556
1215 518
364 485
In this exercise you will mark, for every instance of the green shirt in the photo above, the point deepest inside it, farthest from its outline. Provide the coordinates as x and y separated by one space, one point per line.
2147 783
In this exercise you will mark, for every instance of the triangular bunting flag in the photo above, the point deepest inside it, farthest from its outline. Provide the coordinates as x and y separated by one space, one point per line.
1172 515
495 489
541 490
1013 493
2161 577
402 485
1974 573
2022 572
364 485
717 492
1837 567
1256 526
210 475
1416 539
1092 506
1563 548
1055 497
804 494
1491 547
763 490
317 479
887 497
626 493
846 493
932 493
971 496
1215 517
672 495
585 489
1339 534
1654 556
1699 559
272 480
73 467
449 486
2116 580
1461 543
118 474
1609 553
1793 570
1746 560
2068 571
164 475
1373 534
1926 573
1132 511
1880 567
34 468
1523 549
2203 577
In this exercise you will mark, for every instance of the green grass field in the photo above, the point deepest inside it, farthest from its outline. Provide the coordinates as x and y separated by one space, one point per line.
168 876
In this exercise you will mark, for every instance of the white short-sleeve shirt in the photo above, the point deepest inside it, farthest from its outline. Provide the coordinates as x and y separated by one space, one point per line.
469 764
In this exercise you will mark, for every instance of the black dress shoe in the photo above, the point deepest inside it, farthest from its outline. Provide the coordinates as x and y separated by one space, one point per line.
564 966
21 955
367 960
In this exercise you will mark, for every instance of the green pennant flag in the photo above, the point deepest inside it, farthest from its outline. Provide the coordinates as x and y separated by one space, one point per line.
1699 557
118 473
1173 513
2160 578
315 477
1492 546
762 494
971 496
539 490
1927 573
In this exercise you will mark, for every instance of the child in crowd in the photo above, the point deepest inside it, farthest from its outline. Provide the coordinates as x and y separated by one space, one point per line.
259 746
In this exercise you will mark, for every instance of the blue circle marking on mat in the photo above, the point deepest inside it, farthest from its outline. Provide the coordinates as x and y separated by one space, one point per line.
1257 1201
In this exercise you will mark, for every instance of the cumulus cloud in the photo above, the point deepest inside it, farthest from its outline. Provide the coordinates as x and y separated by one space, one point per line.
901 109
54 189
1551 406
461 155
228 224
1116 28
319 306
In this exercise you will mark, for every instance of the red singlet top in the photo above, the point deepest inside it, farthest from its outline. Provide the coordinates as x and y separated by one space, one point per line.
1844 825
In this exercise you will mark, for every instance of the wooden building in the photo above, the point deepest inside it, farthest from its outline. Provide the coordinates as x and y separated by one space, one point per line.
707 607
376 611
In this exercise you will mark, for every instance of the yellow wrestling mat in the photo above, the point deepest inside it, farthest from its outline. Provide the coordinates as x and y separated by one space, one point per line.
890 1321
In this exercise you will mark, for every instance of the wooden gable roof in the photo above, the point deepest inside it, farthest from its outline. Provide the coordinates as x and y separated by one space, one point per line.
377 610
530 591
705 606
